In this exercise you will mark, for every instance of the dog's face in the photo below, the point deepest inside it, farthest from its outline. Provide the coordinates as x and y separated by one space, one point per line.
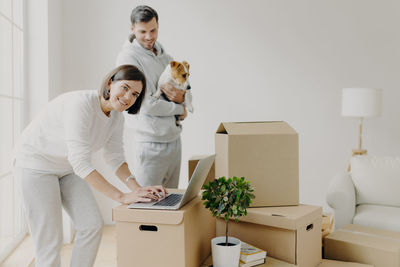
180 73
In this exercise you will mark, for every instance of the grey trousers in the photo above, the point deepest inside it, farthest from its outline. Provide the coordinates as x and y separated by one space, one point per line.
44 194
158 163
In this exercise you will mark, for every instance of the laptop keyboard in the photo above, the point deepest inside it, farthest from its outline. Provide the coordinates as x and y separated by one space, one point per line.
170 200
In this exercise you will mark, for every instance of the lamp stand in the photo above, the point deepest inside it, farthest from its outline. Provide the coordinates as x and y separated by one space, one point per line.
359 150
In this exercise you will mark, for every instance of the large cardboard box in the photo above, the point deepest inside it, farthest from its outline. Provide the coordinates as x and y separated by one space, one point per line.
266 153
192 163
291 234
357 243
154 238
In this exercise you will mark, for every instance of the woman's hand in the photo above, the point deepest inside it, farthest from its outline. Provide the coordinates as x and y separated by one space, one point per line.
157 190
144 194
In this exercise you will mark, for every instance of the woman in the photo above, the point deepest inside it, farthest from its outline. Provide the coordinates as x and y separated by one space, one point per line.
53 163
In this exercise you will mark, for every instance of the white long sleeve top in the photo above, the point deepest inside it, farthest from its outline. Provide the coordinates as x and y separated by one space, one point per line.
66 133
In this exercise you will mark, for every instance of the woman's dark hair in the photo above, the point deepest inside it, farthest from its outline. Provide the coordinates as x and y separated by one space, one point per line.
127 73
143 14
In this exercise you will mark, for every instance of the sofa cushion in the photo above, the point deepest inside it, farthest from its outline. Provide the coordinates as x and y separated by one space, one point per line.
382 217
376 180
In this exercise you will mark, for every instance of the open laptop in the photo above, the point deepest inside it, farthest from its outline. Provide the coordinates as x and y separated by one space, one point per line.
177 200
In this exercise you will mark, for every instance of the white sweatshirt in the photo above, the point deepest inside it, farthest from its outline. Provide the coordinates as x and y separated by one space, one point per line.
156 120
66 133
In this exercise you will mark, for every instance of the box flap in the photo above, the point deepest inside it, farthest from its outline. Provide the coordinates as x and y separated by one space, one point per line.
289 217
122 213
255 128
221 128
367 236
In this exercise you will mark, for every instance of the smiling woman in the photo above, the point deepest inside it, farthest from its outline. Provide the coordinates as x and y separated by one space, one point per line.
123 89
122 94
53 164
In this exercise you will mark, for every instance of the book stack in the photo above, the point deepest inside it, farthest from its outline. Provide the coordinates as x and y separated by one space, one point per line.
251 256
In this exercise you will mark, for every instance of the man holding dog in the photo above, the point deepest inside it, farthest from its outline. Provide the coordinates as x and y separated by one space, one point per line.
157 148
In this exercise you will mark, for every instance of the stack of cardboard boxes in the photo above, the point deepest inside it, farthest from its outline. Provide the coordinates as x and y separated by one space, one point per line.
267 154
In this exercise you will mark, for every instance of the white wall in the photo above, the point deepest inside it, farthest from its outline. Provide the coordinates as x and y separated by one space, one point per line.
36 54
259 60
55 49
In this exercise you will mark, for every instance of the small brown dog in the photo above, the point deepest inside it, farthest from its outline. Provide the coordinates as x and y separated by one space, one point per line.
177 74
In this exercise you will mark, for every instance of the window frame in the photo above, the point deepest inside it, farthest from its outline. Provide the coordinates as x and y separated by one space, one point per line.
19 226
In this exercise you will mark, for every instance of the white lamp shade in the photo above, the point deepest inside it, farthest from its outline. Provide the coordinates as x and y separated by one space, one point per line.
361 102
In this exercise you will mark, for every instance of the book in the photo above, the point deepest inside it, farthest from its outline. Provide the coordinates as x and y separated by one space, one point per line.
252 263
250 253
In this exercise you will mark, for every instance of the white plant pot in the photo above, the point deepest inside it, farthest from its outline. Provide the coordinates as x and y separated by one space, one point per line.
225 256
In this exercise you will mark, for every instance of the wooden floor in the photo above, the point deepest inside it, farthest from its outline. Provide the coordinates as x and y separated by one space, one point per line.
22 256
106 256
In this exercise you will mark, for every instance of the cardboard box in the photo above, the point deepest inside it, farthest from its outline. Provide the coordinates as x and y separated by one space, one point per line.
265 153
357 243
327 224
331 263
291 234
180 238
192 163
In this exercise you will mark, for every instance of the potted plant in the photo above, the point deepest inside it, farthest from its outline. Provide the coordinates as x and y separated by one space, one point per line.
227 198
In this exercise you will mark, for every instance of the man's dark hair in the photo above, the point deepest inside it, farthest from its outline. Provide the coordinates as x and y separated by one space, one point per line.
129 73
143 14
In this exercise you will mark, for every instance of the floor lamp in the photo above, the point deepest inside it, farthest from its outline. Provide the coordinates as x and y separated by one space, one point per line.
361 103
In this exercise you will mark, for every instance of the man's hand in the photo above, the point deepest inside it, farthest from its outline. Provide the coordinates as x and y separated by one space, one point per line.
173 94
183 116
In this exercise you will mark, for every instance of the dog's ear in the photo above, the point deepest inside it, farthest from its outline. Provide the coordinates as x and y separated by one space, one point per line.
186 64
174 64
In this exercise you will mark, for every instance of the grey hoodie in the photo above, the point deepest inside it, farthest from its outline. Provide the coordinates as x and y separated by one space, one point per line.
156 120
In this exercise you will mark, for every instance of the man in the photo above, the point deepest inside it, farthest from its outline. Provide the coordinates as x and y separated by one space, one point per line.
157 148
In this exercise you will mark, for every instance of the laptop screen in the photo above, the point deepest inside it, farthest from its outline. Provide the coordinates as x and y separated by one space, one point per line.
198 177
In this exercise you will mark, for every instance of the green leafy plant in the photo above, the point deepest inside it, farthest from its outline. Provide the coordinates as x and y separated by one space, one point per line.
228 198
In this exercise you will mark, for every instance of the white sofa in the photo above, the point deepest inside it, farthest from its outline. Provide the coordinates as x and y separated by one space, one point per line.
369 195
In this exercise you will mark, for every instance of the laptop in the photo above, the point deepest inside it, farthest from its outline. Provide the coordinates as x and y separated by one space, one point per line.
175 201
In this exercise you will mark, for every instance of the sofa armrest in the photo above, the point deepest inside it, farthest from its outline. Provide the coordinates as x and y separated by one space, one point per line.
341 198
